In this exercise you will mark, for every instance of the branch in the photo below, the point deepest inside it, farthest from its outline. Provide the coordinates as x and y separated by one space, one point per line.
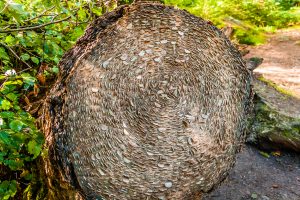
41 15
34 27
14 53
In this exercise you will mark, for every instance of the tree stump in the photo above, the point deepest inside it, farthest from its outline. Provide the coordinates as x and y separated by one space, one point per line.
151 103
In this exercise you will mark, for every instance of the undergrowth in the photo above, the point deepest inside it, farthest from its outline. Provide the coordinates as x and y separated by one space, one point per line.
250 19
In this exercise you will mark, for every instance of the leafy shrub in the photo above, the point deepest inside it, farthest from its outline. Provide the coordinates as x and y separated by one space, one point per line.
247 17
34 36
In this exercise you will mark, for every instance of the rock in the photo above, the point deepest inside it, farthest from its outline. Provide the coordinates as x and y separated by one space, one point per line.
277 121
253 62
190 155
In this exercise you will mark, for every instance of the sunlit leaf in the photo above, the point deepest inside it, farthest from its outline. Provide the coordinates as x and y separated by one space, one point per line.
55 70
28 80
25 56
5 104
16 125
3 54
12 96
10 40
34 148
35 60
81 14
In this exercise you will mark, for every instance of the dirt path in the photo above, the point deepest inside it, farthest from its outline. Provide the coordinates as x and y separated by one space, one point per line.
281 59
277 177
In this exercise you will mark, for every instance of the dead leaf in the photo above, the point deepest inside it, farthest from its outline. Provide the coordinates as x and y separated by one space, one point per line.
27 101
276 153
41 78
35 90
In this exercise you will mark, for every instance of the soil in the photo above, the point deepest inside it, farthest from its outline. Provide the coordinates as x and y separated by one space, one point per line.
258 177
255 175
281 56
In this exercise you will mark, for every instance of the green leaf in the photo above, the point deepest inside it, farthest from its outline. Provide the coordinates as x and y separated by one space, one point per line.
12 96
26 175
81 14
5 137
25 56
5 105
16 10
264 154
97 10
14 164
34 148
7 114
16 125
78 31
254 196
55 70
2 154
10 40
35 60
8 189
28 80
3 54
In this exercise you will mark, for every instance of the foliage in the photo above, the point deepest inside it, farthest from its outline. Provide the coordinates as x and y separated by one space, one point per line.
20 140
249 18
35 34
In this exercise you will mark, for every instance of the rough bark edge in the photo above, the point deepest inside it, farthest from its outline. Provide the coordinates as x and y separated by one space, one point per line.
58 185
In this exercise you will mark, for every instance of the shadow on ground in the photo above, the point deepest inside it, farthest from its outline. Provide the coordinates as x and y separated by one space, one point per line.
258 177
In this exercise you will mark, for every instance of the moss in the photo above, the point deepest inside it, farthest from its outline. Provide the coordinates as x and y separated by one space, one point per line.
275 127
276 87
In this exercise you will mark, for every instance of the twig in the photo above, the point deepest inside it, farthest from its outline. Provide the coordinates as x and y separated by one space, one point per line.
34 27
4 8
54 16
2 84
14 53
28 51
40 15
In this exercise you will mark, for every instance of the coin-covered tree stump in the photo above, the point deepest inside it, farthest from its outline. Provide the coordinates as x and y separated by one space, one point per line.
151 103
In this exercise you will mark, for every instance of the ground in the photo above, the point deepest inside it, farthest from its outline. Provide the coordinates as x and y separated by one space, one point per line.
258 177
281 59
255 175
